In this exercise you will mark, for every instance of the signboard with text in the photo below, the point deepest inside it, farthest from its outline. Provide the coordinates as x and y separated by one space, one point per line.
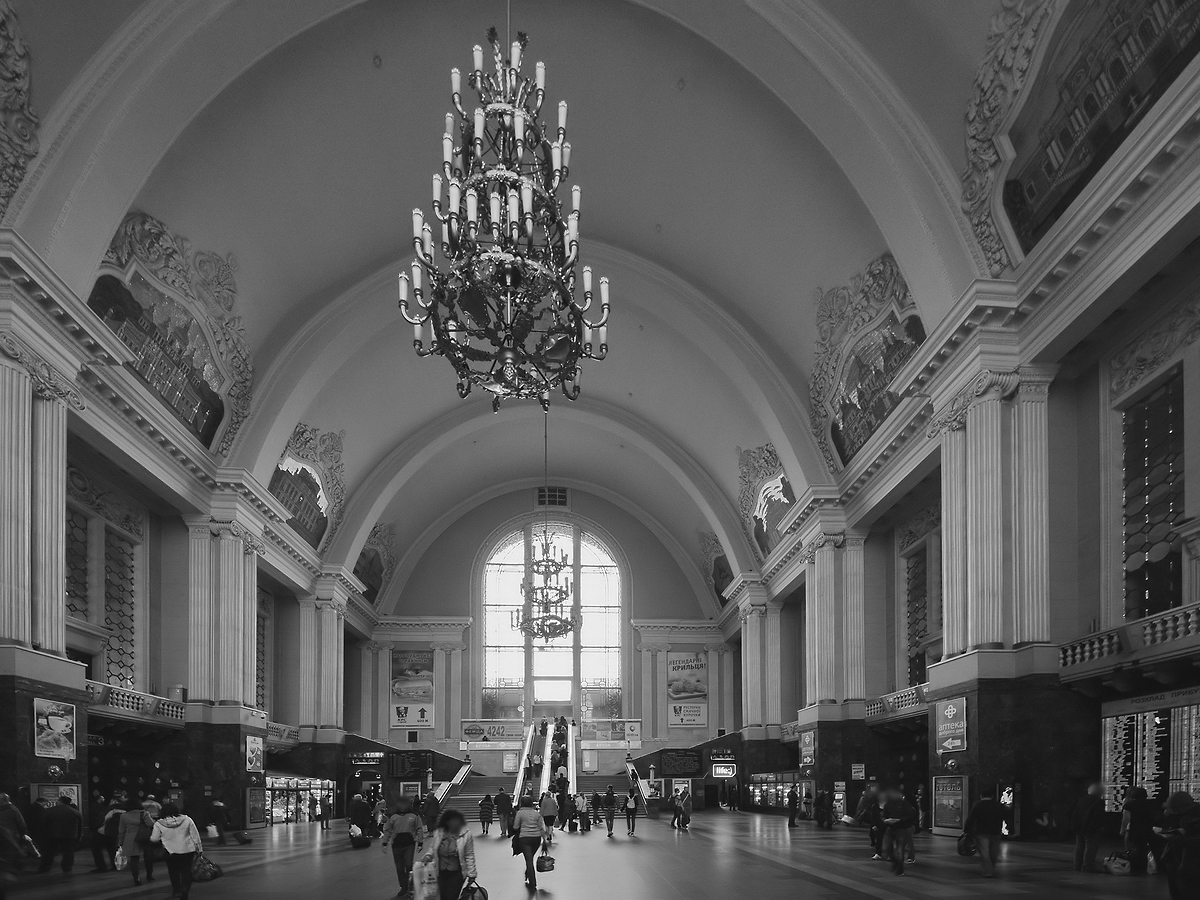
687 690
679 762
949 804
477 730
808 748
724 770
412 699
951 725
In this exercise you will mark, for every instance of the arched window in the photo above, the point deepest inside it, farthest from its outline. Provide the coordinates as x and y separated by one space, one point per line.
582 670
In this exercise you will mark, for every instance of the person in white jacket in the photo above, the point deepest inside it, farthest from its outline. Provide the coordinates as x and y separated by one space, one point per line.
181 839
451 848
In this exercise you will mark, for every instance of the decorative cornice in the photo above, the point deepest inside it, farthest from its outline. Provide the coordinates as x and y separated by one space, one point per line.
47 382
1011 43
18 124
1145 356
203 284
323 451
719 649
376 647
448 646
925 521
283 542
653 647
988 383
842 314
105 503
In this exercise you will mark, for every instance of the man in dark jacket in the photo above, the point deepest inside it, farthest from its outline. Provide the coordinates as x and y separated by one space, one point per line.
1181 855
898 816
504 811
64 828
12 839
1087 824
1139 816
793 803
985 823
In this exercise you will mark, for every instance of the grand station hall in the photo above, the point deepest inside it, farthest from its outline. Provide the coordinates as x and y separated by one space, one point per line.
607 450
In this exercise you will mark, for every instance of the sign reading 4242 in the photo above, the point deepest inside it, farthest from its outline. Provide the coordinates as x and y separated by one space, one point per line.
951 725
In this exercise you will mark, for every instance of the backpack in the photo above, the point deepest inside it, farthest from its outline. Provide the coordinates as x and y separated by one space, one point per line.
630 802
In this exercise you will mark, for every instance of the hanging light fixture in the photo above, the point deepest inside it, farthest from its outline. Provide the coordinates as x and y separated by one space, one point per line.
548 609
505 309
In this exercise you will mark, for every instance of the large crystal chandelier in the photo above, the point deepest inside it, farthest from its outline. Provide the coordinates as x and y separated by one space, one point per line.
548 609
504 308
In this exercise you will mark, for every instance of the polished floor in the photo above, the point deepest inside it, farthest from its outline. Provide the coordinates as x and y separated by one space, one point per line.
725 855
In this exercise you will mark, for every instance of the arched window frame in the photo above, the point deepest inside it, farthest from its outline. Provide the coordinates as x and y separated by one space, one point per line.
527 523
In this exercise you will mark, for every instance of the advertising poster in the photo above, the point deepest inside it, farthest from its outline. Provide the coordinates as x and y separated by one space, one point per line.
51 792
53 729
687 690
952 725
256 807
412 700
949 803
254 753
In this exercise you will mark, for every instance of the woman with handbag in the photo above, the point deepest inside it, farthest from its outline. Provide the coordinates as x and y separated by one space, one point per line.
133 838
452 848
181 839
529 831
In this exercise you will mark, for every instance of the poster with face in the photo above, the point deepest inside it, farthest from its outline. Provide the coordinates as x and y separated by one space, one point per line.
687 690
254 753
53 729
411 700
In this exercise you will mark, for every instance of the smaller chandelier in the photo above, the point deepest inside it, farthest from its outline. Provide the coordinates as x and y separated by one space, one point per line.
548 598
504 308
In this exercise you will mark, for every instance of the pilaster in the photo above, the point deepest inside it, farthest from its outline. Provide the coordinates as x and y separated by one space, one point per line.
439 689
383 676
16 411
954 544
48 501
308 659
366 687
1031 451
854 619
230 620
821 641
250 623
201 615
718 700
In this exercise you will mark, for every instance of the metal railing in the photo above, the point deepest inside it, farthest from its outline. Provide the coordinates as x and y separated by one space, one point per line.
446 788
642 785
523 763
572 780
125 703
547 755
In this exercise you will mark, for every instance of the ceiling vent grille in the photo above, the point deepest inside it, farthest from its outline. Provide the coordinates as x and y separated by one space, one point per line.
552 496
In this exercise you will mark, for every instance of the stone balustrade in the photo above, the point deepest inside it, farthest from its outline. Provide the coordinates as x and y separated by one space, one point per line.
282 735
1161 635
897 705
125 703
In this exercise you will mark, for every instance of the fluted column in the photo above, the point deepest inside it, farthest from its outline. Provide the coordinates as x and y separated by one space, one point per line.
383 676
309 658
454 726
752 665
717 699
660 669
647 711
728 686
854 620
954 544
1031 444
329 642
249 624
822 643
439 690
366 682
230 619
201 615
985 521
49 509
810 631
772 667
16 403
339 703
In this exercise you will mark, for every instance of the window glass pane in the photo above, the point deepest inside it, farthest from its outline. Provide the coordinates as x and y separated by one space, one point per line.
502 584
601 628
498 630
592 552
553 662
552 691
600 667
599 586
504 666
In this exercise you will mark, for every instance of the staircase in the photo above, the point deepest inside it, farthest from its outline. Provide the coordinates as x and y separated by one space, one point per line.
467 799
600 783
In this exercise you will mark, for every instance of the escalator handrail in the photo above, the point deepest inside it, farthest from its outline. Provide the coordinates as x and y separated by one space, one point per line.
572 780
643 786
444 789
523 763
547 755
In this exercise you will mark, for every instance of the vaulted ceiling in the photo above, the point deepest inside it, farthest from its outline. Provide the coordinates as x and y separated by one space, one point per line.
736 158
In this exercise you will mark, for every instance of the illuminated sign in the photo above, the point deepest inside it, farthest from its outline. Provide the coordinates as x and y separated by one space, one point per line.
724 770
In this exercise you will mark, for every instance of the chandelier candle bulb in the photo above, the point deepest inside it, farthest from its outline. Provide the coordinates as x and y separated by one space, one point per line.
562 115
455 195
427 240
478 52
416 332
540 76
573 228
479 125
418 223
603 336
516 54
447 148
514 207
494 203
519 132
403 290
446 234
566 155
472 206
437 189
416 280
575 192
455 81
587 280
556 156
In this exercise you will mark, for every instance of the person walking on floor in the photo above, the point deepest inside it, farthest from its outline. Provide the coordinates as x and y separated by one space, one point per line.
595 806
452 848
793 804
609 802
674 801
898 816
63 829
1087 823
1139 815
685 809
1181 850
549 810
97 842
504 812
406 832
111 824
631 810
528 833
487 808
985 823
431 811
14 837
181 839
133 837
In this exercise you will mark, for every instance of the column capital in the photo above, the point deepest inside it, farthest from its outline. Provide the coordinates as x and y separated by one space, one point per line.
821 541
717 648
653 648
448 646
986 384
47 382
1035 380
376 647
855 539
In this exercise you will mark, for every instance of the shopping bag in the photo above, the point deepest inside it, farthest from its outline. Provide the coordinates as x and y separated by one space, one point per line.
204 869
211 831
1151 864
425 879
545 862
473 891
966 845
1117 864
120 860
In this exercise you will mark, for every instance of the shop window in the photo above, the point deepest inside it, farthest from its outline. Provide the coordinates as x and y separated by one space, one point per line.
1153 501
119 608
77 576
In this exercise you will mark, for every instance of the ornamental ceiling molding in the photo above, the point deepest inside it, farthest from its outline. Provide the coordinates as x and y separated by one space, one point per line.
921 524
710 549
843 313
953 416
1012 44
1159 347
755 467
99 498
47 382
323 452
382 540
18 124
202 284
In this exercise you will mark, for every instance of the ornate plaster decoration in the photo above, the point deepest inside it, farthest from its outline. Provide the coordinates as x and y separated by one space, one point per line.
1011 44
953 416
809 553
105 502
1155 349
18 124
323 452
919 525
196 291
48 383
382 540
710 552
764 497
866 331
